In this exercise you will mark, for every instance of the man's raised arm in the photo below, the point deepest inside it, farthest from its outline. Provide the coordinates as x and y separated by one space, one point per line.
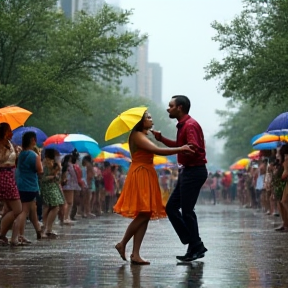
158 136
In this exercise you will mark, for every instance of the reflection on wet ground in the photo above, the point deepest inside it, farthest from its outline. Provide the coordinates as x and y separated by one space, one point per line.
244 251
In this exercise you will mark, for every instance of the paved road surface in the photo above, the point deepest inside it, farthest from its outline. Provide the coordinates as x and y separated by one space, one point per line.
244 251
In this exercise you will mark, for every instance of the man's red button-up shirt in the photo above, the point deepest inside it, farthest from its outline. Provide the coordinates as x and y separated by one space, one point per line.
189 132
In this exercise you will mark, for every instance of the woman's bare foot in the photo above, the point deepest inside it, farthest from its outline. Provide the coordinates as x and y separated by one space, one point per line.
121 250
138 260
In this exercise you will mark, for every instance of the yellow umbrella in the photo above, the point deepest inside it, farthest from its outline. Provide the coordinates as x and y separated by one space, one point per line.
240 164
105 155
124 122
270 138
14 116
157 160
125 146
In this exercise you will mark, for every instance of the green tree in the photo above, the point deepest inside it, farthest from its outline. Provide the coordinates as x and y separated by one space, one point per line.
105 102
47 60
255 44
239 124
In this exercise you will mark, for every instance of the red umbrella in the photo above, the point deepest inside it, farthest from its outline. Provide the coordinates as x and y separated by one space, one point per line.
55 139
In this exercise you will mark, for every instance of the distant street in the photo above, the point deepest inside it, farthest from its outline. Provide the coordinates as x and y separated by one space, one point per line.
244 251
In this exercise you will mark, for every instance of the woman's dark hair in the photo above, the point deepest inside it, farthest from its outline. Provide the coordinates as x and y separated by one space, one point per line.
181 100
75 156
65 162
4 127
87 158
49 153
283 150
27 137
140 125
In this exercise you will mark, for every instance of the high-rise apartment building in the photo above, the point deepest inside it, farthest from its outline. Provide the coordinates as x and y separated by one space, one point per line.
154 82
137 83
70 7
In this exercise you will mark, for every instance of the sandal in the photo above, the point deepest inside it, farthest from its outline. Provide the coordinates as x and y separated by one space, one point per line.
4 241
15 244
51 234
24 240
39 235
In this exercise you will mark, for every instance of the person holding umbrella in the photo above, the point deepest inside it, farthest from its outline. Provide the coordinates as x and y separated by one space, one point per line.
8 189
140 198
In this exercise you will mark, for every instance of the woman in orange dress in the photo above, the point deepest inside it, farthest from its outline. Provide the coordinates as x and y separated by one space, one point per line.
140 198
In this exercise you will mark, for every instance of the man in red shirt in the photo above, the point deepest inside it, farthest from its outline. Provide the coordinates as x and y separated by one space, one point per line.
192 175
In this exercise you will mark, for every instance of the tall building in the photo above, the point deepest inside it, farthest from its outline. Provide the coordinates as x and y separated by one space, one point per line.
147 81
70 7
137 83
115 3
154 82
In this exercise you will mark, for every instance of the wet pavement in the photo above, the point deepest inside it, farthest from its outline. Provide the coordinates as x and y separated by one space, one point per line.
244 251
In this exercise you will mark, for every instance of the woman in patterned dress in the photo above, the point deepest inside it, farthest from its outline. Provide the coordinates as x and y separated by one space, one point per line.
69 186
50 191
9 194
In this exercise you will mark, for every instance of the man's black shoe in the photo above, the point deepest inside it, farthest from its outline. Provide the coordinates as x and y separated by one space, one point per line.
188 257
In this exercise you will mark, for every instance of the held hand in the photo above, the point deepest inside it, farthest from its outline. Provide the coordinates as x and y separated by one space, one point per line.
187 149
157 134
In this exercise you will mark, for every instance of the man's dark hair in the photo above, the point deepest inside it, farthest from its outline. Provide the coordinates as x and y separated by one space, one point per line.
27 137
106 164
181 100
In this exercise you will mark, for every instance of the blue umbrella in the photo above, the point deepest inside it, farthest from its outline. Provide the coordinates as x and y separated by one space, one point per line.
114 148
84 144
280 132
256 137
18 133
268 146
64 147
279 123
172 158
118 161
162 166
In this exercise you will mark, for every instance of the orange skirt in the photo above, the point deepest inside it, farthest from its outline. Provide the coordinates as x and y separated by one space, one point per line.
140 193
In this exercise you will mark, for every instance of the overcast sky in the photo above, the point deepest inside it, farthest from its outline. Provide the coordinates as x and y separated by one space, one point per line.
180 40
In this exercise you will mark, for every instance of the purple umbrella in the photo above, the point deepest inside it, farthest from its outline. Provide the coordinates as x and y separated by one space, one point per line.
279 123
18 133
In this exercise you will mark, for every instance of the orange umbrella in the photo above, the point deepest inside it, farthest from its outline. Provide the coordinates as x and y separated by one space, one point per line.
15 116
240 164
254 155
106 155
270 138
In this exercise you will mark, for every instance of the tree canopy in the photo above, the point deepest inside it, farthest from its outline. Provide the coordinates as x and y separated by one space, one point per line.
255 43
46 58
253 72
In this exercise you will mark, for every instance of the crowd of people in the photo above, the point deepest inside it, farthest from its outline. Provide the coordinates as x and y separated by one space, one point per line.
262 186
70 186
